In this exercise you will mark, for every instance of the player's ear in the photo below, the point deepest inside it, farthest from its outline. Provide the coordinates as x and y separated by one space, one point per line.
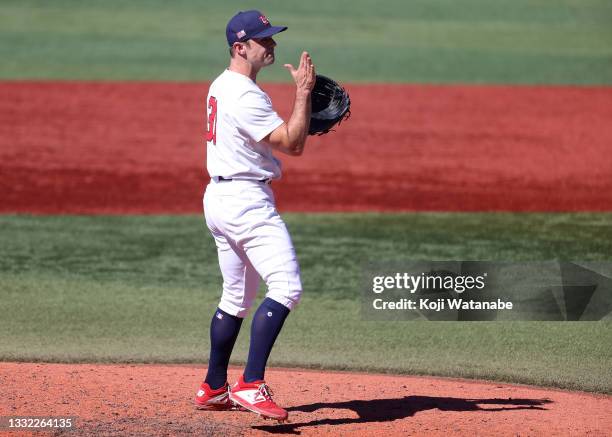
239 48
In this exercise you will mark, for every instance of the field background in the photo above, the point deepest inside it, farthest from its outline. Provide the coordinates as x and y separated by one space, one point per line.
141 288
425 41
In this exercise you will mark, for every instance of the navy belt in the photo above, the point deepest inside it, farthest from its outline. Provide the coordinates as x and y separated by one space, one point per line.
266 181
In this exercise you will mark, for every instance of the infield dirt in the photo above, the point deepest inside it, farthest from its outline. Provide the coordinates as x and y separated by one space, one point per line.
86 147
157 400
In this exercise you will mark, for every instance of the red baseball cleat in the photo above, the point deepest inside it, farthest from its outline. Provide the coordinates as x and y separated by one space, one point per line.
209 399
256 396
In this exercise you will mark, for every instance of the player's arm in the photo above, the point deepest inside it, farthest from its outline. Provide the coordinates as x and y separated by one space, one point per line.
291 137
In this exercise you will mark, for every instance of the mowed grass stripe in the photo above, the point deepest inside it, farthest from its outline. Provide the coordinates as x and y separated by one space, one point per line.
178 250
143 288
475 41
78 320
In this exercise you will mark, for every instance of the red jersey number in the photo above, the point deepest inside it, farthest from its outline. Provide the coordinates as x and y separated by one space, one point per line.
211 127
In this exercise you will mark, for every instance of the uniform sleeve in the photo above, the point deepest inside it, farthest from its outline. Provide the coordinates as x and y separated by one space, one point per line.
255 115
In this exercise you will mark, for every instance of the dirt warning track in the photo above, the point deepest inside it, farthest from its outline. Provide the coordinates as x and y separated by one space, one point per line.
86 147
157 400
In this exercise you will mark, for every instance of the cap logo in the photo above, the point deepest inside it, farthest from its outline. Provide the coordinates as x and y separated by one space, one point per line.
241 34
264 20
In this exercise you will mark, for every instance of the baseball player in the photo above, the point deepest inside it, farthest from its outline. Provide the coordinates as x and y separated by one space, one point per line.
252 241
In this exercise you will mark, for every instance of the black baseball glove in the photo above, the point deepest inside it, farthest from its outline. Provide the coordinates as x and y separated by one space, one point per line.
330 105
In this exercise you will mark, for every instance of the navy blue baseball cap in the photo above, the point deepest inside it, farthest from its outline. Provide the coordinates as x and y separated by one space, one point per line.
250 24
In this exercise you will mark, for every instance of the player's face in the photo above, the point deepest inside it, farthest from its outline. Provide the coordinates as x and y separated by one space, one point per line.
262 51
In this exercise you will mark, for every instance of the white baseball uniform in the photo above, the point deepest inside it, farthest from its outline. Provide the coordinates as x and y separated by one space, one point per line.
252 239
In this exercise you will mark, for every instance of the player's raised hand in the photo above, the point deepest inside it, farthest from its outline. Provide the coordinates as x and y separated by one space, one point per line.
304 76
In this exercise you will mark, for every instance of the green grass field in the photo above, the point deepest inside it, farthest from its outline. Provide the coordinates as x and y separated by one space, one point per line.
471 41
143 289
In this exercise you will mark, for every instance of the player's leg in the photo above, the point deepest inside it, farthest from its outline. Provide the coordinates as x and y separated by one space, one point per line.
273 255
240 284
267 323
271 252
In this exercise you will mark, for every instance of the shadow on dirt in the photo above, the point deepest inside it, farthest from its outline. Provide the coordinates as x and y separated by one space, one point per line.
387 410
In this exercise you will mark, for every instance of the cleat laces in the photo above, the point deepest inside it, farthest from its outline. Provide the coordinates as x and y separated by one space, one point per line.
266 392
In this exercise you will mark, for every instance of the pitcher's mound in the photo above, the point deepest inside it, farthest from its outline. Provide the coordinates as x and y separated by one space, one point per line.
157 400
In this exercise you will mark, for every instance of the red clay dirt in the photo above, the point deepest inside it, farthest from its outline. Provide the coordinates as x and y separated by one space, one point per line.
157 400
82 147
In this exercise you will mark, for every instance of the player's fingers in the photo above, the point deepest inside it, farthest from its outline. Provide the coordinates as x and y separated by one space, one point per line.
312 77
309 64
308 60
290 68
304 59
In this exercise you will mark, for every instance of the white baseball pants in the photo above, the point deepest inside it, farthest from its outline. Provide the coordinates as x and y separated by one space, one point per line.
252 242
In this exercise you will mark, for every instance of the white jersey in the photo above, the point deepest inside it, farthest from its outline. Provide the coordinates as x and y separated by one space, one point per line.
239 116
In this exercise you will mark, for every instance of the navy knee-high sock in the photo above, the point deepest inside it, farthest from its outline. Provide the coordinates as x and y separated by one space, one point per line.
267 323
224 330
